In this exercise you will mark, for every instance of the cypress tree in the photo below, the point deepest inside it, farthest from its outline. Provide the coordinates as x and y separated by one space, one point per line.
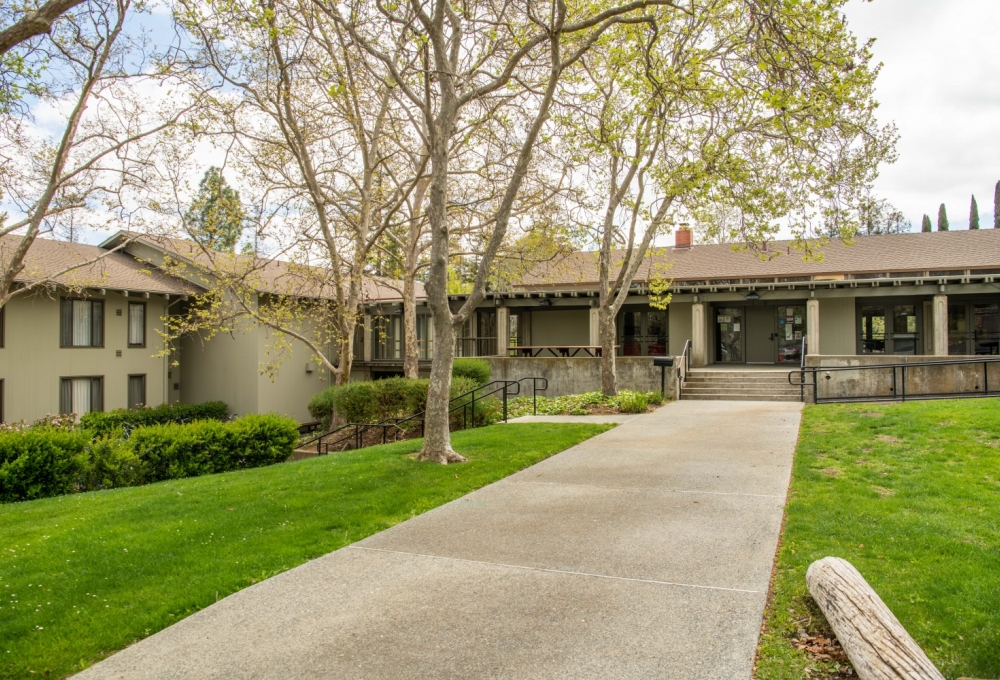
942 218
973 214
926 224
996 206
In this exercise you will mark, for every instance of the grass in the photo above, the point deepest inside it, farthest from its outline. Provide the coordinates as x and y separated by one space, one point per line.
84 575
909 494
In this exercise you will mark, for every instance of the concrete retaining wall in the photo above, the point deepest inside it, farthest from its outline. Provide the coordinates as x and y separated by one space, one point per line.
581 374
944 380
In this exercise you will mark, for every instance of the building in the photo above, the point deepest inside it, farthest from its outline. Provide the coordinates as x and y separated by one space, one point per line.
90 339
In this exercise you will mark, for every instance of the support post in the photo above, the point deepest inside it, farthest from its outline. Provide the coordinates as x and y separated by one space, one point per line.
595 329
368 341
940 325
503 331
812 326
928 327
699 339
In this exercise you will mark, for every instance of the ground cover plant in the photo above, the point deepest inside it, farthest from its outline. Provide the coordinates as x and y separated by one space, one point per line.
87 574
909 494
626 401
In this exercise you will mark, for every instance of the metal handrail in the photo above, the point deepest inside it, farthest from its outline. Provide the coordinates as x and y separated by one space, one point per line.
359 429
534 391
683 368
802 366
898 388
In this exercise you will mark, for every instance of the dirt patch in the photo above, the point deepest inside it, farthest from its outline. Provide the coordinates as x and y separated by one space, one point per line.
822 648
831 472
888 439
883 492
870 414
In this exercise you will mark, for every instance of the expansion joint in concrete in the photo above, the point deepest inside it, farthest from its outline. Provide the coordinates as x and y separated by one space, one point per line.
554 571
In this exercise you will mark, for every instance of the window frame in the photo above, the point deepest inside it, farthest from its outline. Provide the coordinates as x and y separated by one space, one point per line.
64 330
128 323
94 379
128 391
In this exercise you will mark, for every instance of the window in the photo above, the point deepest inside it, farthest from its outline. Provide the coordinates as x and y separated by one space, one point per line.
136 391
136 324
425 337
873 329
643 333
81 395
82 323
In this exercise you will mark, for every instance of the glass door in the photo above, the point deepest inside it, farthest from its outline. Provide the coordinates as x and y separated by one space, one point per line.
729 335
904 329
986 339
873 329
791 329
958 330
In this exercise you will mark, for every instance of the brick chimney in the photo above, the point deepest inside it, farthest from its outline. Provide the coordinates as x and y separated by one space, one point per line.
682 238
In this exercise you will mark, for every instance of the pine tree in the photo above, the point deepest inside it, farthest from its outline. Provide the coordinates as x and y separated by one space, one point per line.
942 218
973 214
996 206
216 217
926 224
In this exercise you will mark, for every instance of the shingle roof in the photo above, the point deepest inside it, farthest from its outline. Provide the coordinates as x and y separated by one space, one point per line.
917 252
118 271
270 275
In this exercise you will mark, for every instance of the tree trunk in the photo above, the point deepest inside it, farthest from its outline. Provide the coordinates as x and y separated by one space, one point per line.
609 371
411 349
437 420
877 644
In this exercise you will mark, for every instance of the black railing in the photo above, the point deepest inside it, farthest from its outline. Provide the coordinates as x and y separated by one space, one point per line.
359 435
535 390
894 385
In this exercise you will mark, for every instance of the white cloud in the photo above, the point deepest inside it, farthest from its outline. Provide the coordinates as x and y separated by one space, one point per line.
940 84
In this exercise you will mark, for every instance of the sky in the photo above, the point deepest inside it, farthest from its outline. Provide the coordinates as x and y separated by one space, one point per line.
940 84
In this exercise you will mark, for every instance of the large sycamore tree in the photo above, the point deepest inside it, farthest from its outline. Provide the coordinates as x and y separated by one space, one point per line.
766 108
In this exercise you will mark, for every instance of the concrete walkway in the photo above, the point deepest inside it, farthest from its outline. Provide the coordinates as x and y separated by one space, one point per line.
642 553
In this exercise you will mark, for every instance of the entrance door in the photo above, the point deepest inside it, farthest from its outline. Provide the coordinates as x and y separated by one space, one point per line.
760 335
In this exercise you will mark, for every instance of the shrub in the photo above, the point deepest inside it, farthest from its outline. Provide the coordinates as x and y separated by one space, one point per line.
111 463
112 421
204 447
476 369
40 462
488 410
655 398
633 402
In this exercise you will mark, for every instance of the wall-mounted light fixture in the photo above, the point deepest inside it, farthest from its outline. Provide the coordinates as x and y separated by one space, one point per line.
752 295
545 302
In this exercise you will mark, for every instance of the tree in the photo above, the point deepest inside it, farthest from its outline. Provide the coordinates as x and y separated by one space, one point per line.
996 206
91 69
942 224
216 217
973 214
709 112
873 216
925 225
321 141
32 22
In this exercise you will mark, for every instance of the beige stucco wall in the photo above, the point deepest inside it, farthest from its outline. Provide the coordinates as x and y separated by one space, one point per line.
221 368
32 362
679 320
837 326
287 390
560 327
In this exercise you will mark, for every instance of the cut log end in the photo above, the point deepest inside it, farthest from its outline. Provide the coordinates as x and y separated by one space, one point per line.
873 638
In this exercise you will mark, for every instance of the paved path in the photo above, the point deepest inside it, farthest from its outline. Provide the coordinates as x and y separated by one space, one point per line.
642 553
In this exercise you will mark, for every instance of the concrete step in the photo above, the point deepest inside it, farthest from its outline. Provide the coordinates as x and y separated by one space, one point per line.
749 391
736 397
779 380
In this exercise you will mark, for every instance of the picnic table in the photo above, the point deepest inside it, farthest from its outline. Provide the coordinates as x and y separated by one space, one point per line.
556 350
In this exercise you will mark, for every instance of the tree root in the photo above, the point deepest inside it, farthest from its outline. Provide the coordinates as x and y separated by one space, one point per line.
444 457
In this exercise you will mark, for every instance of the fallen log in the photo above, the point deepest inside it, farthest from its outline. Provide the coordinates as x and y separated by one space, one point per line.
873 638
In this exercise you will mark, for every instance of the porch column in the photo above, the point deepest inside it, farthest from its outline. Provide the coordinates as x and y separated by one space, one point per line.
367 346
812 326
595 328
503 331
940 325
928 330
699 339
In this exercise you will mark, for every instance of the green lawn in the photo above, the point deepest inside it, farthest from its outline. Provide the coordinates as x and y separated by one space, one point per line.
909 494
84 575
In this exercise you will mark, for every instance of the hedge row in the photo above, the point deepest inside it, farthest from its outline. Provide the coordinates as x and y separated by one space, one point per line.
373 401
101 423
49 462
